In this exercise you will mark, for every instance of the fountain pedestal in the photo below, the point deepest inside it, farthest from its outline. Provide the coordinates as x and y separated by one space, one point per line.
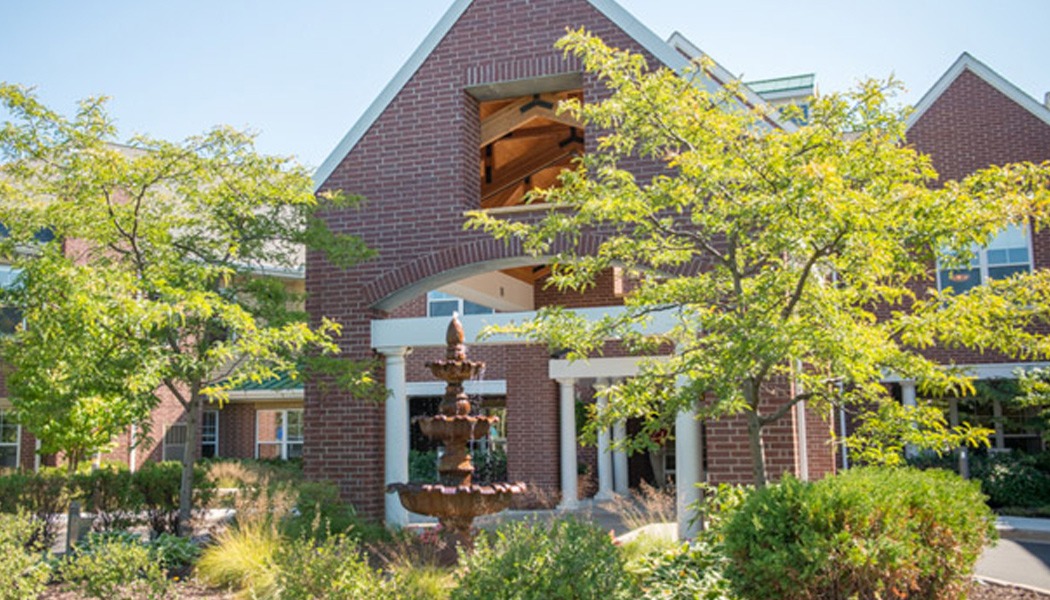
456 501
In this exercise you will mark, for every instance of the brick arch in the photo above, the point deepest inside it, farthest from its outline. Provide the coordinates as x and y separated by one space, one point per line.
453 263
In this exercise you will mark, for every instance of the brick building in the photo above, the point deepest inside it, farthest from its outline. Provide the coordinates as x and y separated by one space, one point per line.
468 124
970 119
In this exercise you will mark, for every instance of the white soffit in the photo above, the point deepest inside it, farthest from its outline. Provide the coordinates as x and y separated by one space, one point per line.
966 62
613 11
985 371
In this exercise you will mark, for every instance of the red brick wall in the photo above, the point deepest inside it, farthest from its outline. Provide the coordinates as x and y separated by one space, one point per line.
237 431
417 167
972 126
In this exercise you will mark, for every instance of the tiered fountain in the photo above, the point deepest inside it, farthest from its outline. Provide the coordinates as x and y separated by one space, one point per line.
455 501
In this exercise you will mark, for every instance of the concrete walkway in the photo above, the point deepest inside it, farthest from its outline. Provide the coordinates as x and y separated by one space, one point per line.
1022 555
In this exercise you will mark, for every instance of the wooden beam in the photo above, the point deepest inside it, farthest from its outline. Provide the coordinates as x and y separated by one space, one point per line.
521 112
514 172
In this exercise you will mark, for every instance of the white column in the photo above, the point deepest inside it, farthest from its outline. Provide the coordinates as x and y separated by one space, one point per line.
605 463
688 470
397 432
620 459
36 457
908 399
567 410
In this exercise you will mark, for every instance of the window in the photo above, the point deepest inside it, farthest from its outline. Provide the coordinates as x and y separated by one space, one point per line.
10 317
440 304
209 434
279 434
10 440
175 442
1008 253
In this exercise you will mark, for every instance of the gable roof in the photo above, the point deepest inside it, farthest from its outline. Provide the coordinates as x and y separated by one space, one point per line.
966 62
645 37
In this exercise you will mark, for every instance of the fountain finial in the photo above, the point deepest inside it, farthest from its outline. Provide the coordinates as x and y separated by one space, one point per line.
454 338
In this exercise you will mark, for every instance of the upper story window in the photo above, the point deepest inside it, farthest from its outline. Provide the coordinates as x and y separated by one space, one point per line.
1008 253
440 304
10 317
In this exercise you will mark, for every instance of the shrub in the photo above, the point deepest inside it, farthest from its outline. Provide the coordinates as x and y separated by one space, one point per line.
1014 481
332 568
423 466
421 582
868 533
23 570
43 495
319 511
113 566
174 553
687 571
110 494
158 484
527 560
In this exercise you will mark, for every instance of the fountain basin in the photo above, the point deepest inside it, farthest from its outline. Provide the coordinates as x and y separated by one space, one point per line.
455 502
455 370
459 427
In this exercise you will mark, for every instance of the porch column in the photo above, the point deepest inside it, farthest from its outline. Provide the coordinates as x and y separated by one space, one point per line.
688 470
908 399
567 414
619 458
397 432
605 462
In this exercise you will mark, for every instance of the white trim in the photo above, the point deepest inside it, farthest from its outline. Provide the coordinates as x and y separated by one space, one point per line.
423 332
282 441
681 44
609 8
265 395
164 441
616 367
966 62
495 387
984 371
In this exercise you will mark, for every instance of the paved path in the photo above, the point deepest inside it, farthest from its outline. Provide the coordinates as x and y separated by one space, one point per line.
1017 561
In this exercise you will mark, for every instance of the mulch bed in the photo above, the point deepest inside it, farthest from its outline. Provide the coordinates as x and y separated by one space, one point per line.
979 590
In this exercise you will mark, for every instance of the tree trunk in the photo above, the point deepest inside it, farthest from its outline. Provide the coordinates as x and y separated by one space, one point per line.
758 455
189 458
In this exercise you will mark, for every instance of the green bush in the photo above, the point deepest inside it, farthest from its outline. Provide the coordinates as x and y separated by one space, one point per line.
1011 480
688 571
174 553
333 569
110 494
567 559
43 495
114 566
24 572
320 511
867 533
423 466
158 485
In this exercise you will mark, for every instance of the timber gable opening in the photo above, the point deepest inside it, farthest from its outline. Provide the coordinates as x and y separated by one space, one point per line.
525 144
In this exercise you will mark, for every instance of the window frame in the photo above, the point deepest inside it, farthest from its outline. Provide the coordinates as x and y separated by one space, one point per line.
5 415
283 443
439 297
980 264
206 442
165 444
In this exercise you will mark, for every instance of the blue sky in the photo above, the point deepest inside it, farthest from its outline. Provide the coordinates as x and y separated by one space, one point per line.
300 73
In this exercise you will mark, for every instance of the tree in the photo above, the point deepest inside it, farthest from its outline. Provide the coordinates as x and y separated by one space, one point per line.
782 256
156 278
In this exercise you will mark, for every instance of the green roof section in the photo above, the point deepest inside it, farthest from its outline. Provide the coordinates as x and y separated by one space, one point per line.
783 84
281 383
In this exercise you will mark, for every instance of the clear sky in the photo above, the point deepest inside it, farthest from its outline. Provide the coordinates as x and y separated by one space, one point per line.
301 72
